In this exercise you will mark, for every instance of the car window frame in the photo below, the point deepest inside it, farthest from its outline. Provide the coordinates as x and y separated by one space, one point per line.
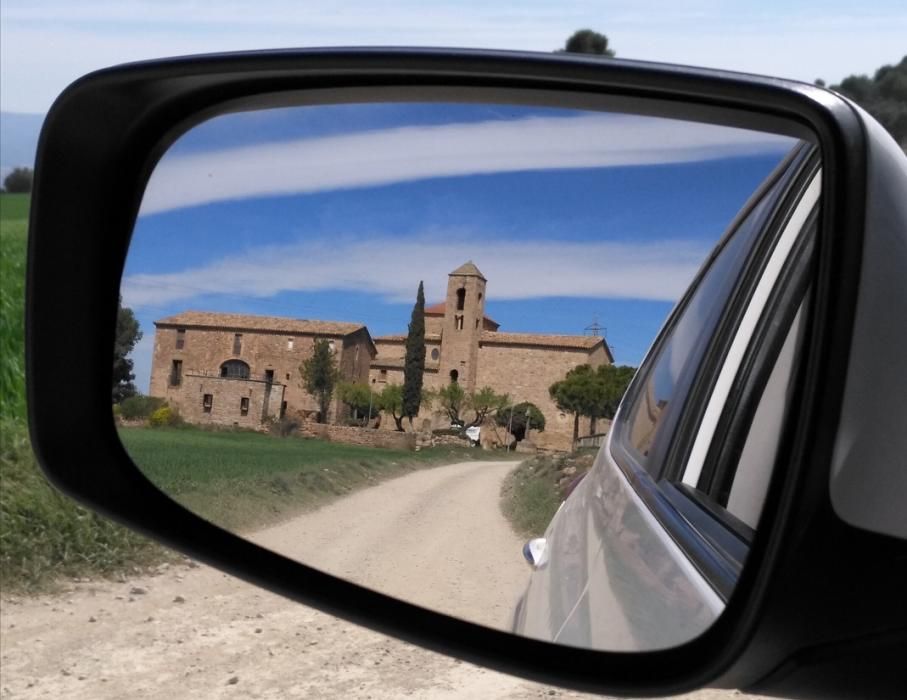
717 542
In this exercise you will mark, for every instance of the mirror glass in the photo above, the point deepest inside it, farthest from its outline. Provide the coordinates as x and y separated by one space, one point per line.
389 340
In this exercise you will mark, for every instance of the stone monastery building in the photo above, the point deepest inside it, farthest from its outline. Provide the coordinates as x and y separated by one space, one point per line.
235 369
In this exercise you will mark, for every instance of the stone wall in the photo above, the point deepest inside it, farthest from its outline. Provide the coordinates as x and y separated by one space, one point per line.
263 401
525 373
367 437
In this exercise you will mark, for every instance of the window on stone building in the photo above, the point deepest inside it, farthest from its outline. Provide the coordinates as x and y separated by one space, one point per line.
207 402
180 338
461 299
244 406
477 323
435 354
289 343
235 369
237 343
454 375
176 373
458 323
383 375
269 376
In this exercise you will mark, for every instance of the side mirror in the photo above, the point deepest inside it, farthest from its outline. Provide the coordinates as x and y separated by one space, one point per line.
752 479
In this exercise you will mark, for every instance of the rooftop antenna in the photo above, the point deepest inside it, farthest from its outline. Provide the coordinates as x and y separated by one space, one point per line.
595 328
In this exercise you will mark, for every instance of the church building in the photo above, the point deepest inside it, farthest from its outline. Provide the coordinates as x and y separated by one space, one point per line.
235 369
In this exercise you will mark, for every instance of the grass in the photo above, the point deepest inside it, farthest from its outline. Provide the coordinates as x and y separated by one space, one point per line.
532 493
13 238
43 534
241 480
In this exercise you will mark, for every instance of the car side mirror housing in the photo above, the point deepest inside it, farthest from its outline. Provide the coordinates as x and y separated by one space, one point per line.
817 610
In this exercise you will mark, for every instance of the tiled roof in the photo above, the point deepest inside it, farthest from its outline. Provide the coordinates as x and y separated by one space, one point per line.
578 342
259 323
468 269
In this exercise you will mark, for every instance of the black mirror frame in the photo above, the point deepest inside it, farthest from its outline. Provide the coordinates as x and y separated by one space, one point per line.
97 147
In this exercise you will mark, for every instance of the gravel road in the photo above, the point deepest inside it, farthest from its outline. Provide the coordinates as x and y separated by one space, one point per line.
435 537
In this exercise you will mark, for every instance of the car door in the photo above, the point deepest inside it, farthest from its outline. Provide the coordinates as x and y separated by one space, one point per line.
645 552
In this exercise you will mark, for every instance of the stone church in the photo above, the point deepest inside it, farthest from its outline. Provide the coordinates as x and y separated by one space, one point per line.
234 369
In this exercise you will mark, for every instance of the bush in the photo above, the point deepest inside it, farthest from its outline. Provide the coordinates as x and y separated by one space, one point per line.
139 407
164 416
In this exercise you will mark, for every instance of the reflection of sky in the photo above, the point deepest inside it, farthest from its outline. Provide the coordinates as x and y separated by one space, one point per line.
561 246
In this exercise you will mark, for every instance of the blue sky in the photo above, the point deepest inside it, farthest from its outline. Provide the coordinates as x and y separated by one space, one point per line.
337 212
46 44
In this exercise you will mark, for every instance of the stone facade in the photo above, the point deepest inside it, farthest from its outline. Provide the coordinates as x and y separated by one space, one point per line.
249 365
233 357
462 344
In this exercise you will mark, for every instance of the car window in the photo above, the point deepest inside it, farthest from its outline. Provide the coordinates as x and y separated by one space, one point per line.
657 402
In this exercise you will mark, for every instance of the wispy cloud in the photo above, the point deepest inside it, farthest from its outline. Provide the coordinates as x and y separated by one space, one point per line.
391 267
386 156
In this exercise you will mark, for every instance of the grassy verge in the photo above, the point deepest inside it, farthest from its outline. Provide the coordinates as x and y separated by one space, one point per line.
531 493
243 480
43 534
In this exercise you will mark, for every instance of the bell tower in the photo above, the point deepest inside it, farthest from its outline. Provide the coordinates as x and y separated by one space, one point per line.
464 311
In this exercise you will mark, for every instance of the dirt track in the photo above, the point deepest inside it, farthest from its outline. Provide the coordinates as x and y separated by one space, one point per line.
435 537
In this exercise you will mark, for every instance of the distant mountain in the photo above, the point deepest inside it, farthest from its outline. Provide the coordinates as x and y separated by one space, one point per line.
18 140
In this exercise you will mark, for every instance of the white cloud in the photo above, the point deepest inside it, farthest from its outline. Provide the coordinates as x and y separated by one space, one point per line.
391 267
402 154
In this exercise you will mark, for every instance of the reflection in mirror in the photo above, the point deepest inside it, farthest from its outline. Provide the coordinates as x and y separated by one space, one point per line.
390 339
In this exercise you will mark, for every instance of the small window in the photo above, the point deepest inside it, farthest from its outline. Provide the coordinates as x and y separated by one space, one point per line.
477 323
288 376
331 345
289 343
235 369
454 376
383 375
461 298
458 323
176 373
237 343
244 406
269 376
207 402
435 353
180 338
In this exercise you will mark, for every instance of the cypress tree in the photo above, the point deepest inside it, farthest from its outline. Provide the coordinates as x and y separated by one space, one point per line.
414 364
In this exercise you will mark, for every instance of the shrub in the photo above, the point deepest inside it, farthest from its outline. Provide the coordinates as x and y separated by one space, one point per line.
164 416
139 407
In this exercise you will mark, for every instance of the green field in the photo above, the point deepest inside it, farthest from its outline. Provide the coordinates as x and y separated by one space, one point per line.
242 480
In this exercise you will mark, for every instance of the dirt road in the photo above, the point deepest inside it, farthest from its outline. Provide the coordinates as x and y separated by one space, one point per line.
434 537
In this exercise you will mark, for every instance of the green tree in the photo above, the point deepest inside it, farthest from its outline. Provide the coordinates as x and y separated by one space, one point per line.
359 399
884 96
127 335
452 399
614 382
522 416
579 393
390 400
414 362
18 181
319 376
588 42
484 402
